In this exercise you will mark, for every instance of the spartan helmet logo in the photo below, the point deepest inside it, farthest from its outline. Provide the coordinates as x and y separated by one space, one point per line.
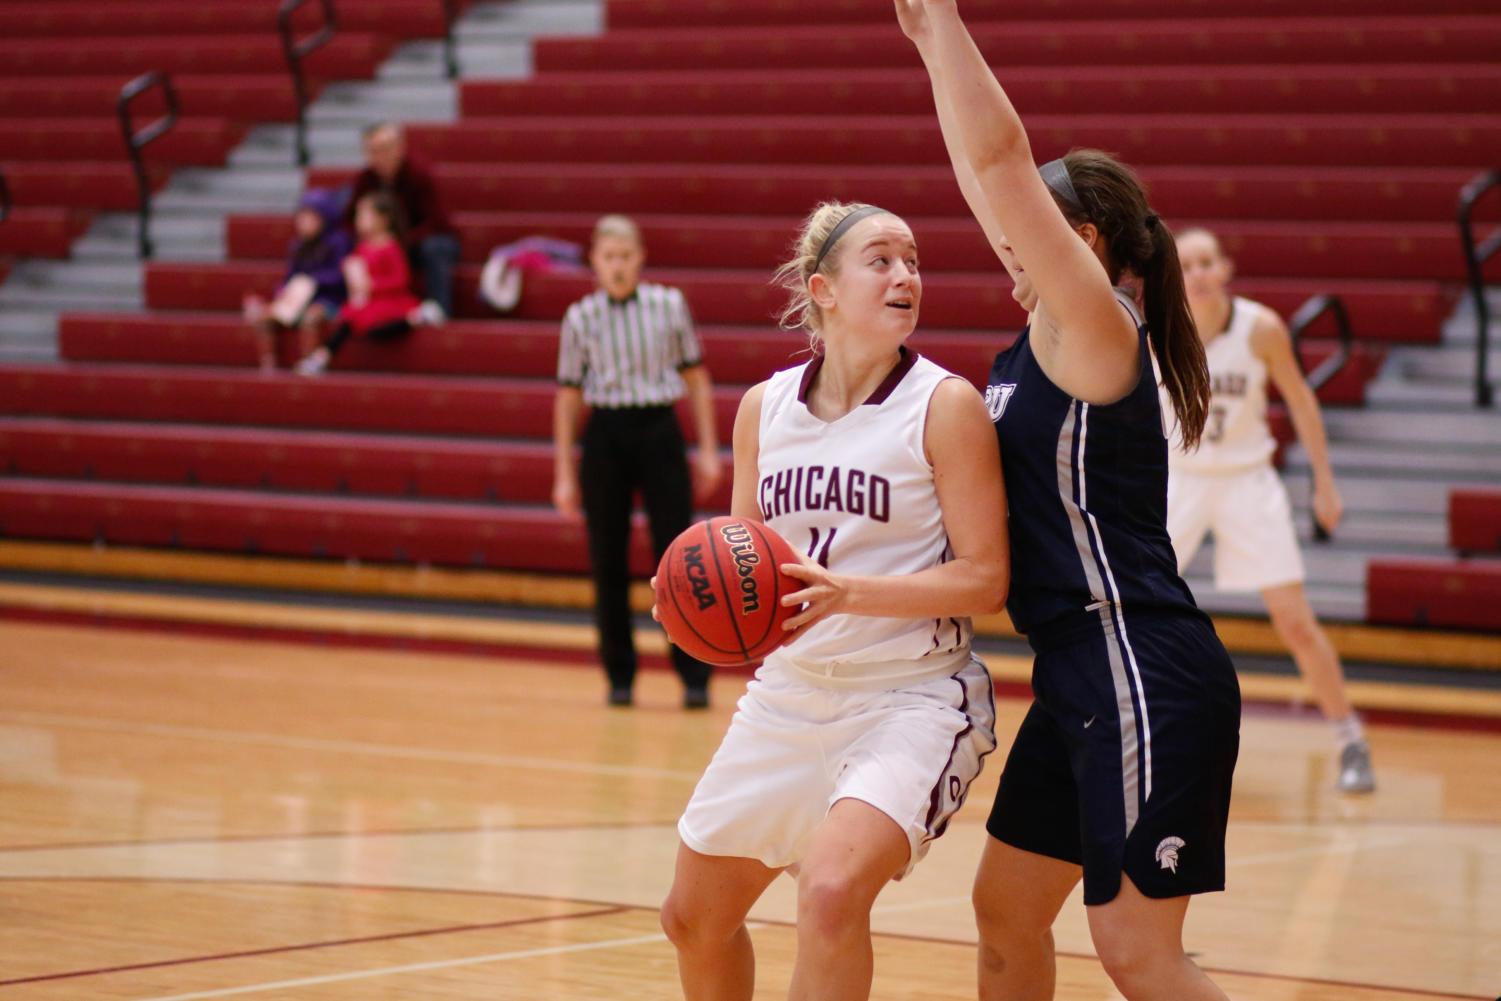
1167 853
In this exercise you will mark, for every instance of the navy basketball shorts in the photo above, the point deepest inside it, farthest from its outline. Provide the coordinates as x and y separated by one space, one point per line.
1124 761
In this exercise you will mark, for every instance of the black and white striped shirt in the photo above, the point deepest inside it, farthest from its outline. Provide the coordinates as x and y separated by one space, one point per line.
628 354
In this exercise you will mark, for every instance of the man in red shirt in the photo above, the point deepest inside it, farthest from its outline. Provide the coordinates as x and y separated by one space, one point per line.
431 244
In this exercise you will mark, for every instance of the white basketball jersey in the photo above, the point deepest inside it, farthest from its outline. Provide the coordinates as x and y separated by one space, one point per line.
857 494
1236 435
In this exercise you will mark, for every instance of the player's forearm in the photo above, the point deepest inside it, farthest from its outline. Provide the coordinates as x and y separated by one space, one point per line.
567 406
959 587
1308 423
987 129
701 401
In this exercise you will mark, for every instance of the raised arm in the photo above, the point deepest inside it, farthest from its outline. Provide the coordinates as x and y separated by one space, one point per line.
1095 352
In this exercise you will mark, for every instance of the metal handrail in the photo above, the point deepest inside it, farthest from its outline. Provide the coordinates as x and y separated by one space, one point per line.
5 203
1306 316
1475 258
450 55
137 140
296 51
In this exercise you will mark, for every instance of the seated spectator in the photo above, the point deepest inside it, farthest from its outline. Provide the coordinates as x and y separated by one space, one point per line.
313 289
500 281
381 305
431 246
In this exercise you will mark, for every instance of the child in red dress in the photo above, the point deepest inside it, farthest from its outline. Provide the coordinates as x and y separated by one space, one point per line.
381 305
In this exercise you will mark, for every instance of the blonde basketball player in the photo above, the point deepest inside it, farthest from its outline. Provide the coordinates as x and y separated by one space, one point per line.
858 739
1228 486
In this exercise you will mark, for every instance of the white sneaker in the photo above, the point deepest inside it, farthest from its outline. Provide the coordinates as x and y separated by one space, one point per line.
429 314
313 364
1355 771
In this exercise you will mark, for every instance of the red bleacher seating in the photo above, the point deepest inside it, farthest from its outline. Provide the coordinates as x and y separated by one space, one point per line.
713 13
1323 140
1454 594
1048 90
40 232
1313 194
1126 42
473 535
979 299
1475 519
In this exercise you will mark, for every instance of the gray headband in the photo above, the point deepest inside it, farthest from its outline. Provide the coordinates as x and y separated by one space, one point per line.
839 230
1055 176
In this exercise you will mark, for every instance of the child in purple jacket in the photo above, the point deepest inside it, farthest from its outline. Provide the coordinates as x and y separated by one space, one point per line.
312 290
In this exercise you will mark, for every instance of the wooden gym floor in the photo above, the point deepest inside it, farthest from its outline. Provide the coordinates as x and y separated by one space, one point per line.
186 817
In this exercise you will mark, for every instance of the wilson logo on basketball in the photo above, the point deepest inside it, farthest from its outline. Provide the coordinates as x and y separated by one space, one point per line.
738 538
698 576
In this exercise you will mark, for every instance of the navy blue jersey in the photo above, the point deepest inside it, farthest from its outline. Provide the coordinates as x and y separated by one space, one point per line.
1087 489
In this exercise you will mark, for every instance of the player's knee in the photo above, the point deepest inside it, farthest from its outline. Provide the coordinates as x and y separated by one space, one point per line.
1134 963
1296 629
830 903
687 926
1007 938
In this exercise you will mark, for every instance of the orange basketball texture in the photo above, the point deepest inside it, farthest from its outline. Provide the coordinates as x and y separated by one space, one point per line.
719 590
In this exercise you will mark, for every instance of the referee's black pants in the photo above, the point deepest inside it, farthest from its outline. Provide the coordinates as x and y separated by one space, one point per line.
625 450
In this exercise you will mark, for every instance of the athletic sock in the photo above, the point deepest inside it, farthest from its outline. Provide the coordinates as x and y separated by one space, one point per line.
1348 731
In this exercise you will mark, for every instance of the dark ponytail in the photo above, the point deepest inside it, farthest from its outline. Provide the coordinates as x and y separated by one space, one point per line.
1112 197
1175 339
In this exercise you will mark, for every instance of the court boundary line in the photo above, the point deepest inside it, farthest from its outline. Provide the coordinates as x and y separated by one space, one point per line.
293 742
1344 824
334 943
753 923
1425 719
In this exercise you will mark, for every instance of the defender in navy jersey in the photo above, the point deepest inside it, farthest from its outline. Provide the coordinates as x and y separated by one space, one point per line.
1121 771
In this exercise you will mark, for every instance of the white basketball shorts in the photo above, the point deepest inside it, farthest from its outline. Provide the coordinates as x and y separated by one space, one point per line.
1255 545
794 749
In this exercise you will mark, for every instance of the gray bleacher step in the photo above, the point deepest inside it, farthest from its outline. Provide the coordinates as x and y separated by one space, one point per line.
533 17
1377 459
19 324
273 146
1463 324
501 59
354 105
1404 496
1330 603
60 300
175 236
1325 565
216 191
21 353
1440 361
1372 424
1408 534
100 277
1426 394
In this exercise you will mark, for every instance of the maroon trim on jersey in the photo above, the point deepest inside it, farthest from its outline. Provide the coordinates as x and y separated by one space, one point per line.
885 389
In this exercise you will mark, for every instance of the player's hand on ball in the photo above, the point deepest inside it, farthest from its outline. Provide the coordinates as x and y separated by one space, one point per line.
825 594
654 615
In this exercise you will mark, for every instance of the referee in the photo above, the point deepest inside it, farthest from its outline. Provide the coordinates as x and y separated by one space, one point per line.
628 351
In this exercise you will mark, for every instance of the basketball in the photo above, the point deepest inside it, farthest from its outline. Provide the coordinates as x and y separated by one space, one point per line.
719 592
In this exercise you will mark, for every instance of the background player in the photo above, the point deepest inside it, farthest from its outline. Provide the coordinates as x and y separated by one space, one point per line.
628 351
1227 485
1121 770
857 740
